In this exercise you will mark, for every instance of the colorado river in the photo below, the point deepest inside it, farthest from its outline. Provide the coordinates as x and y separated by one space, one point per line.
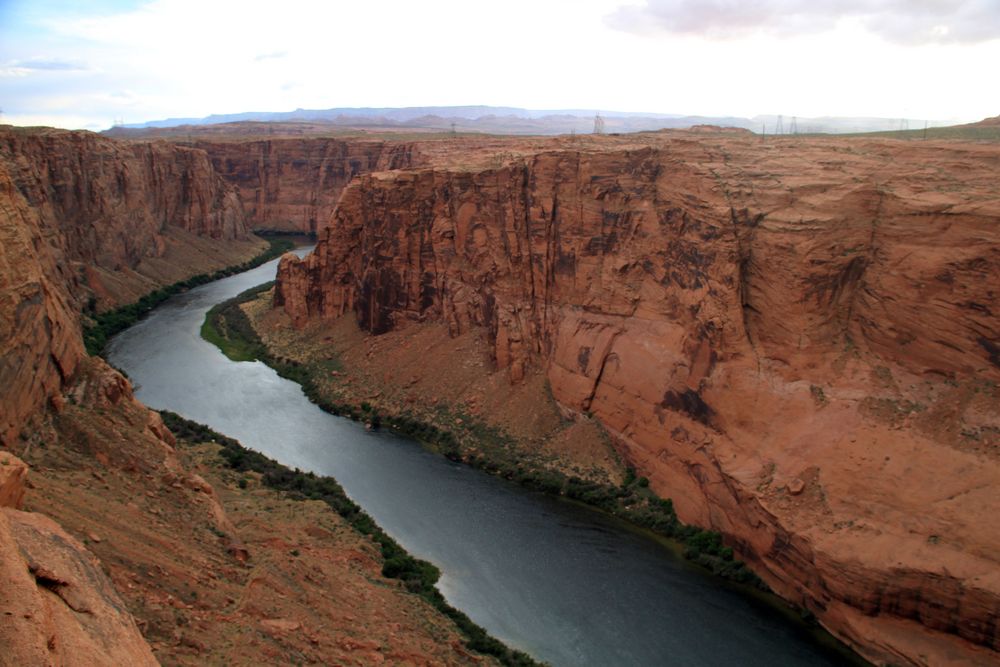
567 585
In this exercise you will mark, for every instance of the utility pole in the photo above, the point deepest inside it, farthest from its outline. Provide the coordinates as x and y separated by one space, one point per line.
926 123
453 129
598 124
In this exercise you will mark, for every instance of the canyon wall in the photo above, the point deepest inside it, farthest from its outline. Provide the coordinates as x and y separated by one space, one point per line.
84 217
293 184
795 341
40 334
107 207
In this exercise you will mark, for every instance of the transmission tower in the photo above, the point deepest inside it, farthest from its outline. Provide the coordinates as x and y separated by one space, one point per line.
598 124
453 129
794 127
779 126
904 124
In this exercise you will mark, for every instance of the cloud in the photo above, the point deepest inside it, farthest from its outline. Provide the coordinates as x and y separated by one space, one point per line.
43 64
20 68
902 21
270 56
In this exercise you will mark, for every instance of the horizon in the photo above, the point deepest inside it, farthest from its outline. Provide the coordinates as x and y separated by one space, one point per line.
140 61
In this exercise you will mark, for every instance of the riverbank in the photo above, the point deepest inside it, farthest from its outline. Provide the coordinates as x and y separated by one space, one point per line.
215 564
370 380
416 576
246 328
102 326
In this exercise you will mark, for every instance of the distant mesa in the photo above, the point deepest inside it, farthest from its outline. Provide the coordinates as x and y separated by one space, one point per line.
512 120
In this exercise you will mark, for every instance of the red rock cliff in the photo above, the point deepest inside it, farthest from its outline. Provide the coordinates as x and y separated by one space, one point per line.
40 332
78 211
797 342
107 204
293 184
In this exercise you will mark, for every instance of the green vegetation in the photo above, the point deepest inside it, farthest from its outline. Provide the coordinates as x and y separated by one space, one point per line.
227 325
418 576
106 325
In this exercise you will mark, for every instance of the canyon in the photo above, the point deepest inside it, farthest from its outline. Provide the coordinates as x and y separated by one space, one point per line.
120 544
795 340
93 223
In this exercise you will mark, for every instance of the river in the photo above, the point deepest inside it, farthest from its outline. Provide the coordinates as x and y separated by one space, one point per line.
565 584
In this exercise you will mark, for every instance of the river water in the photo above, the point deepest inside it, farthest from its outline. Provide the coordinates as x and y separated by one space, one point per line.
567 585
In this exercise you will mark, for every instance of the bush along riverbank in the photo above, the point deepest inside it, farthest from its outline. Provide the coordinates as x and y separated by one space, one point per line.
105 325
418 576
229 328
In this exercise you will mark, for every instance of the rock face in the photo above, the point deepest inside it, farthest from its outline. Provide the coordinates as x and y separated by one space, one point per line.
797 342
291 184
13 477
106 204
79 216
60 608
40 331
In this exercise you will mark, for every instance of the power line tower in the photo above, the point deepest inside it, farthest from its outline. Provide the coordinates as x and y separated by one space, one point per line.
904 124
453 129
794 127
598 124
779 126
118 122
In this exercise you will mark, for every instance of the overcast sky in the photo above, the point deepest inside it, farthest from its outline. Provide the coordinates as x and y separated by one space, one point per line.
83 64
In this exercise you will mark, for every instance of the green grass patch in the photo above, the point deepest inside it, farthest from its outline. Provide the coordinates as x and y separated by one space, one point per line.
227 327
106 325
418 576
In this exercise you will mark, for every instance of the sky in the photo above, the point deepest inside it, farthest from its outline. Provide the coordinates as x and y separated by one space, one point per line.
84 65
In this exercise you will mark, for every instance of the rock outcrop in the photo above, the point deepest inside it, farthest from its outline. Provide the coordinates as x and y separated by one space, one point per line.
13 480
293 184
58 606
796 341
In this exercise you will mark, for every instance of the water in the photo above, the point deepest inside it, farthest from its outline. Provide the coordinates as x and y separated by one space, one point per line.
567 585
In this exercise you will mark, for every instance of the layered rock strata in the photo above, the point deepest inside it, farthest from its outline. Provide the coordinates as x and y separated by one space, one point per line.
104 207
293 184
40 333
797 341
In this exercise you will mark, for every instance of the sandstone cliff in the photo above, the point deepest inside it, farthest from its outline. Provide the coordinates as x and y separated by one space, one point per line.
40 333
293 184
86 220
796 341
108 208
